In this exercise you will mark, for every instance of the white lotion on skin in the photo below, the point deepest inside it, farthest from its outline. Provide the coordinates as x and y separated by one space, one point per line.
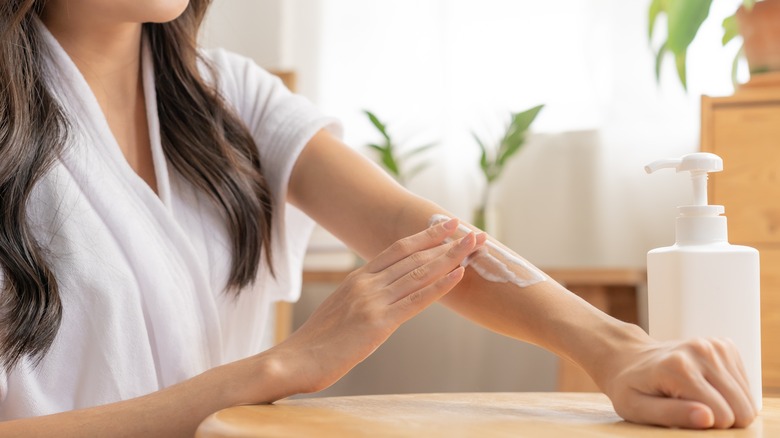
494 263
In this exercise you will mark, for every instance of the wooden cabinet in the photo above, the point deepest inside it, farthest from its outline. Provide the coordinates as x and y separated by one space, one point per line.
744 129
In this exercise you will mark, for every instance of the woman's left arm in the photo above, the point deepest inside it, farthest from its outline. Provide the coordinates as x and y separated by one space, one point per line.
694 384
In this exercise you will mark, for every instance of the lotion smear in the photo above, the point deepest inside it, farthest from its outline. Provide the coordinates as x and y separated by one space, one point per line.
493 262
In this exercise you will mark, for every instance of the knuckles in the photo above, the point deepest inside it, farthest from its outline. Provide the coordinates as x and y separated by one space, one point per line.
419 273
359 282
414 298
677 363
418 258
702 348
403 246
724 346
373 316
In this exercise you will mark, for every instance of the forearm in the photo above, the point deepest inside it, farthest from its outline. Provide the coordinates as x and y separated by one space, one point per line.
547 315
171 412
544 313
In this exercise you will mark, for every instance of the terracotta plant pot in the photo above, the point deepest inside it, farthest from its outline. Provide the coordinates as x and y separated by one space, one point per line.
760 30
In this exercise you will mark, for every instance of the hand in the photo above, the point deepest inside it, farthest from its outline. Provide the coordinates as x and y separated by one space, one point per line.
372 303
696 384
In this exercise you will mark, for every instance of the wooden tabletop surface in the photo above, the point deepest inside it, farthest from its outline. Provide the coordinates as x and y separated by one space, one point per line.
454 415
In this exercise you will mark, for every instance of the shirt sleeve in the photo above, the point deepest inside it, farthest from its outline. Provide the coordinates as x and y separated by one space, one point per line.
281 124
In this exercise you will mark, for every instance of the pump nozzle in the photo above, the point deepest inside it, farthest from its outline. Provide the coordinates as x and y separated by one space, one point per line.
700 161
699 164
671 163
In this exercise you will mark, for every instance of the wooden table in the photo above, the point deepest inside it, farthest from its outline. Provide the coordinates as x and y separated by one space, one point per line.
454 415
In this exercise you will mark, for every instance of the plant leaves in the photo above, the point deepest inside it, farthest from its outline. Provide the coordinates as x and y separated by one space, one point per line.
515 135
679 60
659 58
389 157
483 157
522 120
748 4
389 162
655 8
416 151
416 169
380 149
492 174
479 142
735 67
377 124
684 17
730 28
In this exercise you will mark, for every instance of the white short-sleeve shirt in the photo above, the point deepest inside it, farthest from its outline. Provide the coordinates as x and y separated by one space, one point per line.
142 274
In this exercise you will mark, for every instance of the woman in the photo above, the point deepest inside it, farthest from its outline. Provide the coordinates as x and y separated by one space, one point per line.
146 230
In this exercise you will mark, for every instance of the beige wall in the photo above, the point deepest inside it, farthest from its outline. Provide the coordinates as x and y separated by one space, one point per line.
253 28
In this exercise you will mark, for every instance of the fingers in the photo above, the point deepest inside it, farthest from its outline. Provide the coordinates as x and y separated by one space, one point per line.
703 391
713 381
737 368
698 383
418 260
423 274
428 238
727 376
669 412
415 302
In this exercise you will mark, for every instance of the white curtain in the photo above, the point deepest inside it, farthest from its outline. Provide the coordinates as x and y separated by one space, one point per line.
437 70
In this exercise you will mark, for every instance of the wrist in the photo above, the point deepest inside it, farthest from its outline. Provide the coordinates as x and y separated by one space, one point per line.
602 359
258 379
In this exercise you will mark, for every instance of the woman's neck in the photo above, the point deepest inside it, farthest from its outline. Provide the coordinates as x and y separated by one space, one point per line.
107 54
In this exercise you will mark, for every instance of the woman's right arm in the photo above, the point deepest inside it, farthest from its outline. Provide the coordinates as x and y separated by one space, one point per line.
173 411
354 321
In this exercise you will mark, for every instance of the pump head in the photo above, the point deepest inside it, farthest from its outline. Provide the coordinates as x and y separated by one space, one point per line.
699 164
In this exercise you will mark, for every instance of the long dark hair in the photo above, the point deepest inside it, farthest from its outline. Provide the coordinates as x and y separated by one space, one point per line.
201 137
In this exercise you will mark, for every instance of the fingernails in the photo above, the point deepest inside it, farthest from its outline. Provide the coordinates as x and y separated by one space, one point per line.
451 224
481 238
701 418
456 273
465 242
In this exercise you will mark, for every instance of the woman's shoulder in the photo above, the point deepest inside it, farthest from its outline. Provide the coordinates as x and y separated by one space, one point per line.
241 81
233 69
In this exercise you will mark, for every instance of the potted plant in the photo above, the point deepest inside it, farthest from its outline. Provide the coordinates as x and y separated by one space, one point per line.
492 160
756 21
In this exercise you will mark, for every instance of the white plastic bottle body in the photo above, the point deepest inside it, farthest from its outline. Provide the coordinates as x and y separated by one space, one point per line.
709 290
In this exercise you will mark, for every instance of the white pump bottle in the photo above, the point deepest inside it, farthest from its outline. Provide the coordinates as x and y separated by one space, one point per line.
702 286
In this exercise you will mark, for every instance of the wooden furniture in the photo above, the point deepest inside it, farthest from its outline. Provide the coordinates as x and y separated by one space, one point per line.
284 310
744 129
453 415
613 291
288 77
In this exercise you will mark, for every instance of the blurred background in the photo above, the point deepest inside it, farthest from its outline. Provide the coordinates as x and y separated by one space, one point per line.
575 197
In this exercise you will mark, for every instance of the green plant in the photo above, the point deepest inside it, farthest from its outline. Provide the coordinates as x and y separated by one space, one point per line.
390 157
492 160
683 20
